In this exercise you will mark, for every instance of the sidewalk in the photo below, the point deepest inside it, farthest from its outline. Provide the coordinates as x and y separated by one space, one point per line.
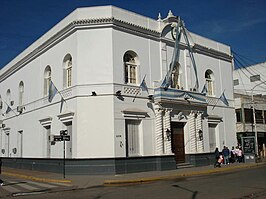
85 181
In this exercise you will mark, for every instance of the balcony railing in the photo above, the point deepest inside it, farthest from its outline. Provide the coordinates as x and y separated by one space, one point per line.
175 95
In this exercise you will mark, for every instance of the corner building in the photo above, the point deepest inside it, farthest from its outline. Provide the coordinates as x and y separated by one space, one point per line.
97 58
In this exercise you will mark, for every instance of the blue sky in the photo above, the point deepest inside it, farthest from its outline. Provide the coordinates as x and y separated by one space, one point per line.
238 23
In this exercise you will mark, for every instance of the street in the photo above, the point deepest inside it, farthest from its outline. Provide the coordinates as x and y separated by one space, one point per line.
237 184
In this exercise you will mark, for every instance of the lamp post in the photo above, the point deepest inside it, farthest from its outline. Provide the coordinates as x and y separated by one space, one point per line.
254 117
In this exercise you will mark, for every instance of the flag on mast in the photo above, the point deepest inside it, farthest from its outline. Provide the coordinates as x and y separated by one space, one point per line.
52 91
204 90
223 99
8 109
143 86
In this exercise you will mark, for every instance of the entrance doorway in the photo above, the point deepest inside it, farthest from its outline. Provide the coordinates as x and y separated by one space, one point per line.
178 146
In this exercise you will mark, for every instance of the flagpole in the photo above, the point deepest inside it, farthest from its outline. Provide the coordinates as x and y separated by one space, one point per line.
139 88
10 108
59 93
136 95
218 100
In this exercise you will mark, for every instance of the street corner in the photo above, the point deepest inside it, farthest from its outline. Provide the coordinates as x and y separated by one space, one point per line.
199 172
34 178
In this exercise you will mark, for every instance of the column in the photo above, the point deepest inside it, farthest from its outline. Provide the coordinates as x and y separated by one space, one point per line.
158 131
198 128
167 125
192 130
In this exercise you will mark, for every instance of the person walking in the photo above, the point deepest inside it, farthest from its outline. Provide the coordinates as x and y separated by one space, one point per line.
217 156
226 154
1 181
239 154
233 155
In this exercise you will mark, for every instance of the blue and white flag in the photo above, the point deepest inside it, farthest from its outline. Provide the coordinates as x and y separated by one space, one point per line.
8 109
52 91
204 90
143 85
223 99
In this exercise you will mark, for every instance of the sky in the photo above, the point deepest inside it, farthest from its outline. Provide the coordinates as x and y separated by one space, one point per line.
240 24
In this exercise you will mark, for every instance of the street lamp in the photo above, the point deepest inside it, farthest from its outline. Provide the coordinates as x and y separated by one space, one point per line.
254 117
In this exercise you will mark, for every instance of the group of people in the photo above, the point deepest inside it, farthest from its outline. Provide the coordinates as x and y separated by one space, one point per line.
227 156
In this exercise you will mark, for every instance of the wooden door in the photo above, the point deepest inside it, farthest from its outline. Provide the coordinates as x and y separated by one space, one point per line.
178 146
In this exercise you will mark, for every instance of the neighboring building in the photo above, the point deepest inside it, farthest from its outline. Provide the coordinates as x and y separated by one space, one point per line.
250 81
97 58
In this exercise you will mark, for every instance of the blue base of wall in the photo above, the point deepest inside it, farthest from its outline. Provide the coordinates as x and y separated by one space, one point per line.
202 159
106 166
93 166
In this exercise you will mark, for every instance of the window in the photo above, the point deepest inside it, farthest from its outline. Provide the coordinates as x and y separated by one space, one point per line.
248 115
238 115
69 143
20 143
21 92
254 78
130 67
209 82
47 80
132 137
236 82
212 136
47 141
67 71
259 116
1 103
8 97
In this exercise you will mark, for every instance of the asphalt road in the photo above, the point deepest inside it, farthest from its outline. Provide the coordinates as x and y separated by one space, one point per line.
240 184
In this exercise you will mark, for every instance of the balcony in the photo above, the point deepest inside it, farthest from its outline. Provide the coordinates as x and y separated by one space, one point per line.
179 96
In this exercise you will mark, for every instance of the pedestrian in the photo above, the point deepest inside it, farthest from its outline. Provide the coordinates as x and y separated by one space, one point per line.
226 154
239 154
233 155
1 181
217 157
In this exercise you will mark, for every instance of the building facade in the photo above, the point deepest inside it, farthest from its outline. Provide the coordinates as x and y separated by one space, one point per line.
97 58
250 104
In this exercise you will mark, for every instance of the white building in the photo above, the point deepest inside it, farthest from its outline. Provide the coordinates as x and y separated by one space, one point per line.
97 57
250 81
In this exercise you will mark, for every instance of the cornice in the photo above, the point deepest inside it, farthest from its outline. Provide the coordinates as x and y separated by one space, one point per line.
212 52
94 23
69 29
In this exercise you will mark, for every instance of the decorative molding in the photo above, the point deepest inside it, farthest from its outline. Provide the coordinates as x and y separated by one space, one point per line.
212 52
136 113
214 119
86 23
66 117
45 122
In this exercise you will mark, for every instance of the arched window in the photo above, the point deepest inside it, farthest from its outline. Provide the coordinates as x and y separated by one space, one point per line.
209 77
67 71
130 67
21 92
1 103
8 97
47 80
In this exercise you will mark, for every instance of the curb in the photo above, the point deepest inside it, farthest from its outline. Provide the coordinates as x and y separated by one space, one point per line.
180 175
36 178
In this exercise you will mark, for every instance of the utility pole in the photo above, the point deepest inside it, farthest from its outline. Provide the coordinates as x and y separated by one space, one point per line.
254 116
255 124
